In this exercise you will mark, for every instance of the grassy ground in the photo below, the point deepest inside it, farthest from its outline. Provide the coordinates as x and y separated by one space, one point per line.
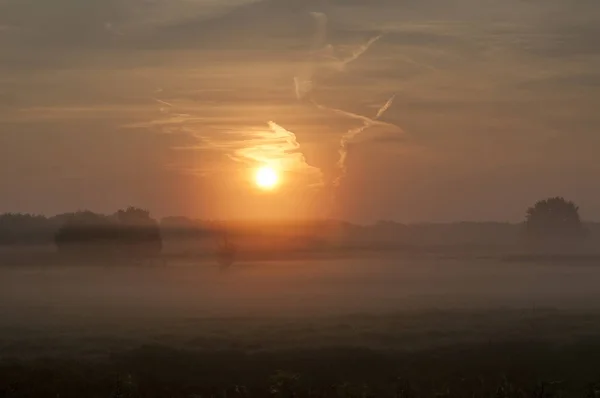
511 370
541 353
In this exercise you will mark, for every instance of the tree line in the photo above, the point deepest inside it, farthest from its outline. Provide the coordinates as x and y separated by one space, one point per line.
548 220
130 227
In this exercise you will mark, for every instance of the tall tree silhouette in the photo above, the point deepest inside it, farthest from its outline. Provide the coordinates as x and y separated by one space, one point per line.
554 218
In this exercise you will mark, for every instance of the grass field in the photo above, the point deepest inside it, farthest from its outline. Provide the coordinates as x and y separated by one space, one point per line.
389 326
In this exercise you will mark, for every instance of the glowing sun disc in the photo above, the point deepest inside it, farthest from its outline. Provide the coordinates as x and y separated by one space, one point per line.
266 178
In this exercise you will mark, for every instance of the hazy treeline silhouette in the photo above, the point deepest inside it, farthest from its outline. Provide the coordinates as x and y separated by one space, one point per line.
16 228
128 229
548 220
554 218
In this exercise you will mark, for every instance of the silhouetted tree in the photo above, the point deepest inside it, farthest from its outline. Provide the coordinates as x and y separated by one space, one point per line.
19 228
555 219
134 216
129 231
138 228
83 228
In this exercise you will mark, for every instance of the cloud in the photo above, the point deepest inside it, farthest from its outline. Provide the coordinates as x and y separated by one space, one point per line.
243 142
279 148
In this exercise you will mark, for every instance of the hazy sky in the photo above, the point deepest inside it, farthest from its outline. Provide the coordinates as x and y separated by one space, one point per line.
171 104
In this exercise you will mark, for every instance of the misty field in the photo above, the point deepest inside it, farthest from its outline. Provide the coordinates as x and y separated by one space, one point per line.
377 325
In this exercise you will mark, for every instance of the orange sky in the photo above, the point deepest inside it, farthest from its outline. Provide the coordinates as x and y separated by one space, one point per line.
171 105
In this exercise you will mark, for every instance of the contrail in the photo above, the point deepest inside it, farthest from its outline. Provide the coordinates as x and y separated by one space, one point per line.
343 151
304 84
163 102
385 107
162 108
322 53
352 133
358 52
366 120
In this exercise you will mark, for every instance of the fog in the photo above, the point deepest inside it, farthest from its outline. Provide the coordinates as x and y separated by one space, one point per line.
366 285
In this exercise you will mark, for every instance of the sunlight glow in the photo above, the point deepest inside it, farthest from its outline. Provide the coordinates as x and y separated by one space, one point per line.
266 178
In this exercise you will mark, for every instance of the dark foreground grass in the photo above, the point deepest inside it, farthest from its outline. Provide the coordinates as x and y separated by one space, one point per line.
517 369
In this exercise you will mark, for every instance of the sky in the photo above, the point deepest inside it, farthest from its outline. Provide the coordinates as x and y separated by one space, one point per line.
406 110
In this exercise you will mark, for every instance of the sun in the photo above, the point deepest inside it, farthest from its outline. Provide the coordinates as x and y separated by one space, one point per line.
266 178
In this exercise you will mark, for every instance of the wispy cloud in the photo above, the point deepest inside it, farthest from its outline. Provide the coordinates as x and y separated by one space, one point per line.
279 148
249 144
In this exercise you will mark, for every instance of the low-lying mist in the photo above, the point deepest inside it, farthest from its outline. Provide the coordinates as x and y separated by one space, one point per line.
370 284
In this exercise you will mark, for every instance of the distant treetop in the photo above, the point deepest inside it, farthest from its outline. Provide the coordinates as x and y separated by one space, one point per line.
554 218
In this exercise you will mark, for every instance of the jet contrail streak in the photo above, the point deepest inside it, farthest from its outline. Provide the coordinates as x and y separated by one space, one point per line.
163 102
358 52
321 55
304 84
352 133
385 107
364 119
